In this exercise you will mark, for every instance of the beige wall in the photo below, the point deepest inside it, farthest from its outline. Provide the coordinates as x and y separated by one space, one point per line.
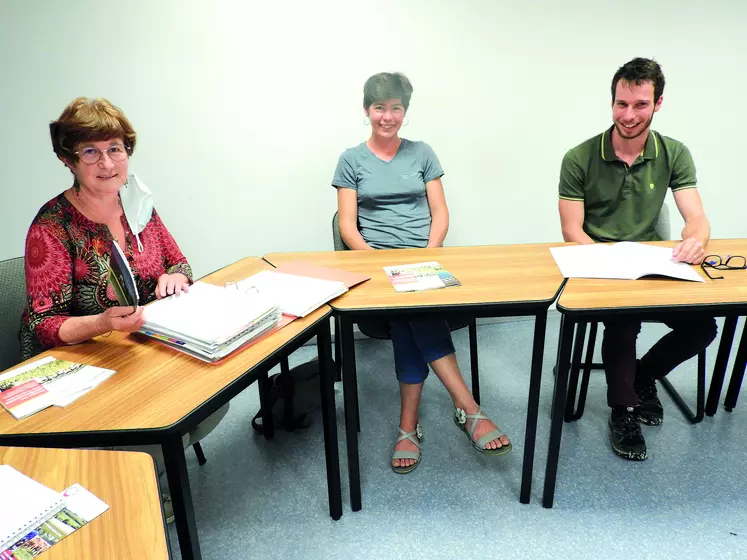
242 108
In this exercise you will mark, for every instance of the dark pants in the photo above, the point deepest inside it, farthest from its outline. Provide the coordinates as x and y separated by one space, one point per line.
417 344
689 337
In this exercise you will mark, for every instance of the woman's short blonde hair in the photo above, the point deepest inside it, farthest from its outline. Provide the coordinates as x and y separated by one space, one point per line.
89 120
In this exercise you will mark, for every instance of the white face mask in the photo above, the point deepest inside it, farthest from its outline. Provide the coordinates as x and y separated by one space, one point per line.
137 203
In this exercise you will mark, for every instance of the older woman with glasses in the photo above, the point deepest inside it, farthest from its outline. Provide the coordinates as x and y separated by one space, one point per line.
70 241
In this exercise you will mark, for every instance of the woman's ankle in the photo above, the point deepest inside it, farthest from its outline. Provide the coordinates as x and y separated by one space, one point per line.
468 405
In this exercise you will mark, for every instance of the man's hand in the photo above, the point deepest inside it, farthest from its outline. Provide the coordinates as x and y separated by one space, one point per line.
689 250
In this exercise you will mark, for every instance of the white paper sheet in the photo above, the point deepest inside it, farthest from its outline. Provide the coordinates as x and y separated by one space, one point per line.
625 260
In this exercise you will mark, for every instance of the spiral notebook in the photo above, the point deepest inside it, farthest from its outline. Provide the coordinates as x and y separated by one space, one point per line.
26 505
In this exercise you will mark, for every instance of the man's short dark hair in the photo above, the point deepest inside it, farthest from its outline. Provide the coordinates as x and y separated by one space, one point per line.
638 71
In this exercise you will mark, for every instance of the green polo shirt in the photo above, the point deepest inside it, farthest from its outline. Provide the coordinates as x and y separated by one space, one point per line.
621 202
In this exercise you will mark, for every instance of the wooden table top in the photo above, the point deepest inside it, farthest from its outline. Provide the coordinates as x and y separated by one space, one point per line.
154 386
592 295
493 274
132 527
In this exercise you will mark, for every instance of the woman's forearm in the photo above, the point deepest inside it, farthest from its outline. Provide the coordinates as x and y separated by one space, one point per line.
79 329
439 229
354 240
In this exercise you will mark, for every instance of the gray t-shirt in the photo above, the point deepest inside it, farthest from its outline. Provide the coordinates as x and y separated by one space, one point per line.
393 211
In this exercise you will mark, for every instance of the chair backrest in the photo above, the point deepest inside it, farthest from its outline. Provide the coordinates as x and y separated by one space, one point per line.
663 226
336 237
12 303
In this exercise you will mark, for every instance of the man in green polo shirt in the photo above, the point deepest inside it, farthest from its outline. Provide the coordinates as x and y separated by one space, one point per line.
612 188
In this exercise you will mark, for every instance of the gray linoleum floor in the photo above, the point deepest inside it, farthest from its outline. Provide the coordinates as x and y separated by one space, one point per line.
268 499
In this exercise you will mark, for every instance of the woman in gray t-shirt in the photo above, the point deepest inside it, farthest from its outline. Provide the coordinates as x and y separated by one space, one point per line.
390 196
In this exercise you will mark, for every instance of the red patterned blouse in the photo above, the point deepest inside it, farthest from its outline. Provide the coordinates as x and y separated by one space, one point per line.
67 266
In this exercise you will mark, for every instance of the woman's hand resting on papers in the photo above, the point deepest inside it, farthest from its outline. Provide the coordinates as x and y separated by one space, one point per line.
169 284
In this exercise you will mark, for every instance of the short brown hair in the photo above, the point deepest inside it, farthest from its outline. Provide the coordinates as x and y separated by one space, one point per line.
89 120
638 71
384 86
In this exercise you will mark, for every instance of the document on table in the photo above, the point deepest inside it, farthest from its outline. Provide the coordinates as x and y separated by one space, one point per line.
625 260
295 295
35 518
47 382
26 504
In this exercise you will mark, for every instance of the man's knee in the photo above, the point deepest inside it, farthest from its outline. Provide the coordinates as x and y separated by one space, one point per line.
624 331
704 333
698 333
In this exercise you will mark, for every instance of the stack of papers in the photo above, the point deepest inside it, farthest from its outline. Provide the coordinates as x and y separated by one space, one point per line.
47 382
210 322
295 295
625 261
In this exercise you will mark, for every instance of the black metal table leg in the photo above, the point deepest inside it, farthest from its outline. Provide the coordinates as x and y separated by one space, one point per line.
201 459
181 498
697 416
719 369
350 390
474 361
578 349
588 366
329 419
263 386
558 408
535 378
737 374
338 350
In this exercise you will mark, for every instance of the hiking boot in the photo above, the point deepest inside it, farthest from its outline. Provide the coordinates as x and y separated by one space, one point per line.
625 434
649 409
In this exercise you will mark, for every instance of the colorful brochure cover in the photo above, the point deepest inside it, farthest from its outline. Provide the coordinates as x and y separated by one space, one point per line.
420 276
80 508
121 279
47 382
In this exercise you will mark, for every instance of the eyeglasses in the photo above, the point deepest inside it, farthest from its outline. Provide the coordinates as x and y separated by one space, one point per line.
91 154
732 262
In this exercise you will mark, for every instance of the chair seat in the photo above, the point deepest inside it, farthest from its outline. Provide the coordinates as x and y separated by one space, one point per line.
380 329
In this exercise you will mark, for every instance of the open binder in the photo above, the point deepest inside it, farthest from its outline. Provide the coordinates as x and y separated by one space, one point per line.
210 322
